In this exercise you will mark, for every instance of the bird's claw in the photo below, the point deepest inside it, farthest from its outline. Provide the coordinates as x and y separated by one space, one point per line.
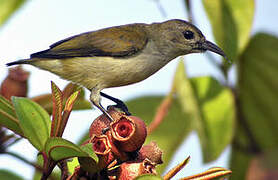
122 107
104 130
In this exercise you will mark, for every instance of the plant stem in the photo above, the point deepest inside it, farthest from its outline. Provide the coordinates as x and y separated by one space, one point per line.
161 113
189 10
64 169
48 169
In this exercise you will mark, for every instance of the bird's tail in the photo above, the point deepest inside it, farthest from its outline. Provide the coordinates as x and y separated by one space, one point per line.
21 61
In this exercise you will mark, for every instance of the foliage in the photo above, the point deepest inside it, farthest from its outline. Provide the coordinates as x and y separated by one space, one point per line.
8 7
242 115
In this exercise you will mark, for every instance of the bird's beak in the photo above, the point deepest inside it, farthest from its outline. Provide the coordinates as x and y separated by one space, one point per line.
207 45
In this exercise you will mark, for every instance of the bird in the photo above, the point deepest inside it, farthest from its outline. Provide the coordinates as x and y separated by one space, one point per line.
119 55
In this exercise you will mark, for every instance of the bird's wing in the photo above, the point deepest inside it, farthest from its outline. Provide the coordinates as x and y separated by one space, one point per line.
119 41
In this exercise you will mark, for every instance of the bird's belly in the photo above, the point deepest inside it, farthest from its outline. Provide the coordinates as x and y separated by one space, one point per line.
103 72
111 72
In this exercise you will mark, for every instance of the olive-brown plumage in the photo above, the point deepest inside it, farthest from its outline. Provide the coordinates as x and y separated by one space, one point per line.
120 55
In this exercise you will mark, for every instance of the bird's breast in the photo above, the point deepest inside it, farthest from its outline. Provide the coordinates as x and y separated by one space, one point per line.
113 72
105 72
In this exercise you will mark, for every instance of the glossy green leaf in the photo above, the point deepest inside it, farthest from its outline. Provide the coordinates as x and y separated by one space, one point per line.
8 117
7 8
72 164
88 148
90 164
58 149
171 132
44 101
187 99
257 124
148 177
57 98
231 23
82 104
5 174
258 87
210 107
216 104
33 120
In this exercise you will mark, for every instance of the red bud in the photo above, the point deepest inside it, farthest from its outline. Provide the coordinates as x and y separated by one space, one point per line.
151 152
15 83
131 169
102 148
129 132
100 123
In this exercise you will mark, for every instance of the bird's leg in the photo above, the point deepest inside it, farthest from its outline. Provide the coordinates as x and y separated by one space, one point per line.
95 99
119 104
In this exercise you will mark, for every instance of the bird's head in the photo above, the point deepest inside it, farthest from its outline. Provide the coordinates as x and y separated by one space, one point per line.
178 37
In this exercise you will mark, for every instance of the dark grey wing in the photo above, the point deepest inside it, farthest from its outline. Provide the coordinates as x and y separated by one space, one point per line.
118 41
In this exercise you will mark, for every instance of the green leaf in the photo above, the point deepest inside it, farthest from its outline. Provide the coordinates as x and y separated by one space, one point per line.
58 149
239 163
210 107
89 150
72 164
8 117
89 164
231 23
258 87
37 174
82 104
6 105
44 101
7 8
57 98
257 103
241 154
33 120
171 132
148 177
5 174
216 104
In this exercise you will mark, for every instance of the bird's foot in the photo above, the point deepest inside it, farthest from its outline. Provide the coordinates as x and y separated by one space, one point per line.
105 130
123 108
119 104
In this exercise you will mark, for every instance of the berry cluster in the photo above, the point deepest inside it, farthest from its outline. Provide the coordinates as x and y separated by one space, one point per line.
119 147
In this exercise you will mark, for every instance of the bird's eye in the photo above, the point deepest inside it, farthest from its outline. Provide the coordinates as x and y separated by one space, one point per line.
188 35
